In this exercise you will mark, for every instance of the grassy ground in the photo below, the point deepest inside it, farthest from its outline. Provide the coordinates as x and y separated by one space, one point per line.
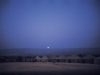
39 68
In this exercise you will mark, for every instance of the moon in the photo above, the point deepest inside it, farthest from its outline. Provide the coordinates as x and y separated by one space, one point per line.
47 47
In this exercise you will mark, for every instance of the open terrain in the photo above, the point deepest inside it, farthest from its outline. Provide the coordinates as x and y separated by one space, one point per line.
48 68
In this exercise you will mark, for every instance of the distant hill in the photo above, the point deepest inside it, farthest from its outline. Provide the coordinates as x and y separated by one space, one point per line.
34 52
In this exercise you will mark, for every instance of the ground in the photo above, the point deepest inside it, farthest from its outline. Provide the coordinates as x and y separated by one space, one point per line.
48 68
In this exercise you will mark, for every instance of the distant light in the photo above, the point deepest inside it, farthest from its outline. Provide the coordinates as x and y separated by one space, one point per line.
47 47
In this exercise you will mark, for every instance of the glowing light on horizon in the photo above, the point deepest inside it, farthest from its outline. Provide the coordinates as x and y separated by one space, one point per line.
48 47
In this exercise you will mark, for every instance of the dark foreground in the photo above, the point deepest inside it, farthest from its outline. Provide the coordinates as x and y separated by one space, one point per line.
29 68
52 73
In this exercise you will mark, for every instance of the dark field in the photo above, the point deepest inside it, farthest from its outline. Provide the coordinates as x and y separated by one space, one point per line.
39 68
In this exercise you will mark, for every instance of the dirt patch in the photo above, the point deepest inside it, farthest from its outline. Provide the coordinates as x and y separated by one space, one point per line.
38 68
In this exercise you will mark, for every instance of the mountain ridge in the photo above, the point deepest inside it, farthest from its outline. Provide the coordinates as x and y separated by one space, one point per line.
55 51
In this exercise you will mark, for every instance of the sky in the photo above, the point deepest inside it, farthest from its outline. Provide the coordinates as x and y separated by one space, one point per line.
49 23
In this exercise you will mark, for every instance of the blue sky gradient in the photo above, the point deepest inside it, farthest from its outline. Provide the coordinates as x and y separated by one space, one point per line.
53 23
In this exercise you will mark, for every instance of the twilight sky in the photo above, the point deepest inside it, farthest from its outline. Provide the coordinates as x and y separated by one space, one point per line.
53 23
